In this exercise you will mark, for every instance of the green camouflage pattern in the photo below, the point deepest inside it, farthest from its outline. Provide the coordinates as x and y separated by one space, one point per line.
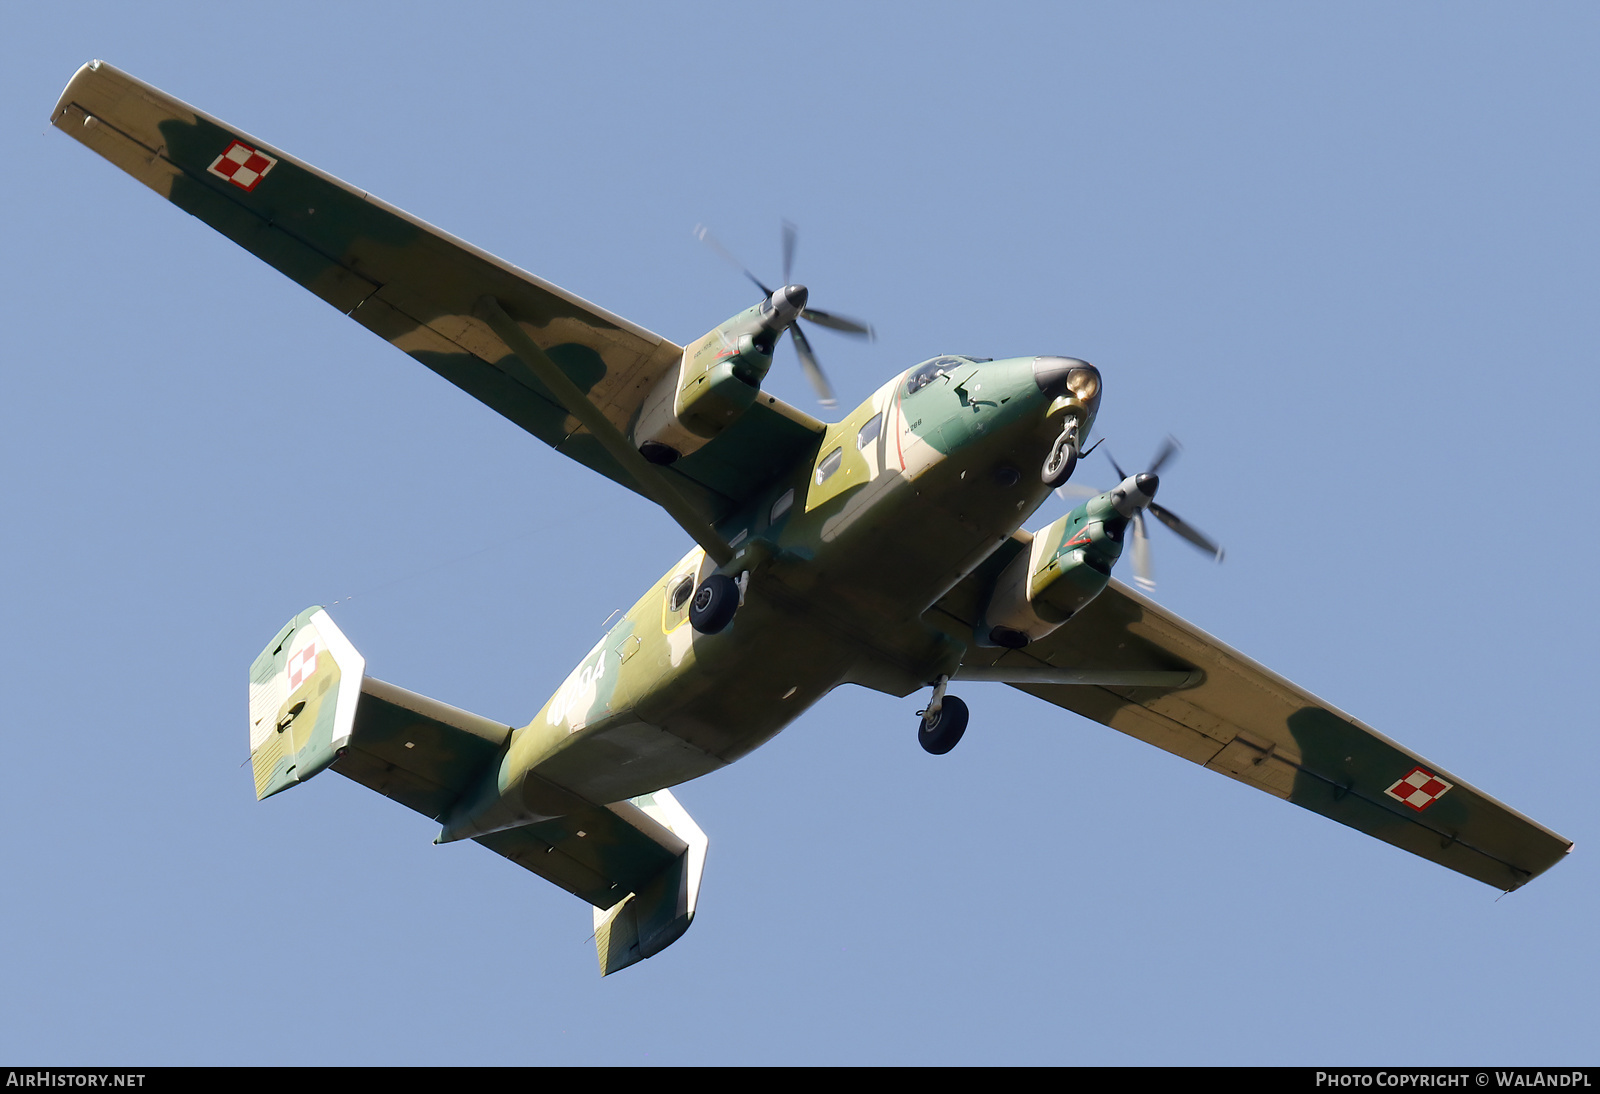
884 550
418 287
1245 721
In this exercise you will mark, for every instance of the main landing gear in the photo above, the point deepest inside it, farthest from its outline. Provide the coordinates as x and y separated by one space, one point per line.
943 723
714 603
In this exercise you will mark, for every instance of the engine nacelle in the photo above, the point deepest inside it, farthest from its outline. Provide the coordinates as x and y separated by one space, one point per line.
1068 565
717 380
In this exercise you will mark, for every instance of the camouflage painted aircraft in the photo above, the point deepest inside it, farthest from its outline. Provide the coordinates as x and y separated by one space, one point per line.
884 550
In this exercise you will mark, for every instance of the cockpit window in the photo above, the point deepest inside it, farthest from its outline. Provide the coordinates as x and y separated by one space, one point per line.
926 373
870 431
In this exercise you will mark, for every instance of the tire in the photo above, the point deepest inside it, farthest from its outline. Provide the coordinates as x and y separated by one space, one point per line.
714 603
1059 465
948 726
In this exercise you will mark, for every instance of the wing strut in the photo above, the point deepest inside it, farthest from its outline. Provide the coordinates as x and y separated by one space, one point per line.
651 483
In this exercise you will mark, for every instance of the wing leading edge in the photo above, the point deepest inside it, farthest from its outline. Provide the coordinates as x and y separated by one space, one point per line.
1251 724
416 286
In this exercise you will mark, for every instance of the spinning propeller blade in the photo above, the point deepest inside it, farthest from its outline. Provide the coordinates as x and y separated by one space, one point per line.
1141 554
1168 448
1145 485
790 232
802 345
808 364
838 323
1186 530
703 234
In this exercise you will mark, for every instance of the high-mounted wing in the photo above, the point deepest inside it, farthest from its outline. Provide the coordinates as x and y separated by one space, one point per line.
1251 724
418 287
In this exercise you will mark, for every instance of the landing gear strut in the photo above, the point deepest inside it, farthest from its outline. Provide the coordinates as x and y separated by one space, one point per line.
943 723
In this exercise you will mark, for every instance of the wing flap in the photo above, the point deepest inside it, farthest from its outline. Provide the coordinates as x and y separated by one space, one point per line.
1249 723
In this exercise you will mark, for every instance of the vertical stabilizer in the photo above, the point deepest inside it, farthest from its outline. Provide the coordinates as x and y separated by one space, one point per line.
303 694
655 915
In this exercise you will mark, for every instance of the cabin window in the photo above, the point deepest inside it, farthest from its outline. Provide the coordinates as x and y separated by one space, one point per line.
680 593
781 506
870 431
830 463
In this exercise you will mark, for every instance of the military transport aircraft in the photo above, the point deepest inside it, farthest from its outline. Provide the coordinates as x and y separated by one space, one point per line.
885 549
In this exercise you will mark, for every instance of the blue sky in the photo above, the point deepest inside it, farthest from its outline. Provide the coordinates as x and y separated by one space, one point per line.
1344 252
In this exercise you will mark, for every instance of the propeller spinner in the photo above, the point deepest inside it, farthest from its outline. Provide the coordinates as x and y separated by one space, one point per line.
789 303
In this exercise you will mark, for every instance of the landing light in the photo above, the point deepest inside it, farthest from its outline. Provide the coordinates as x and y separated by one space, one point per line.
1084 383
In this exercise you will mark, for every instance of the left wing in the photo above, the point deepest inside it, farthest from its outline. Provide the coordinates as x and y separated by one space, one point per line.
1251 724
418 287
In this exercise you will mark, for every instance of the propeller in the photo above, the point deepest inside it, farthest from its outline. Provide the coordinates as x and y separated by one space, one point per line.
792 297
1135 494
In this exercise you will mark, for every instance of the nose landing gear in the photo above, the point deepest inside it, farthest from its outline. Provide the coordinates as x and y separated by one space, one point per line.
943 723
1063 458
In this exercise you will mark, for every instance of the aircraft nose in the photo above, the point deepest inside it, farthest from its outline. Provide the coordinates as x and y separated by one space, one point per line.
1059 375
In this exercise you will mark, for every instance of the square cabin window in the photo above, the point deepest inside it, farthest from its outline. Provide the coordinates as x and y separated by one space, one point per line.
781 506
870 431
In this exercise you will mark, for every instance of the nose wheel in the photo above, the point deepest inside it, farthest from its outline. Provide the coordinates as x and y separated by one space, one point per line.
943 723
1063 458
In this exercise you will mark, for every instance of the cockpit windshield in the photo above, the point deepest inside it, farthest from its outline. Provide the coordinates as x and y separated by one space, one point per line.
929 371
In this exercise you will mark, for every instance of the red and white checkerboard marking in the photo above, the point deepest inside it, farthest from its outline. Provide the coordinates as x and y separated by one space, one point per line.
242 165
1419 789
301 667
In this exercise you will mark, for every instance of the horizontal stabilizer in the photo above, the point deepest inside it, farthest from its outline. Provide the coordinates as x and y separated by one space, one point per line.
422 753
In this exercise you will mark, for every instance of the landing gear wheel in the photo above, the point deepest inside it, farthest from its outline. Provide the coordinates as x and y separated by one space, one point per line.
1059 465
944 732
714 603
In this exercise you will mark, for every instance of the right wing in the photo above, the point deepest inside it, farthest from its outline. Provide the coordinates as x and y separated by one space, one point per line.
1245 721
417 287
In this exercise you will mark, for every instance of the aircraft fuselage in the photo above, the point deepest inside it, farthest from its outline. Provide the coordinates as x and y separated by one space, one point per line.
896 504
